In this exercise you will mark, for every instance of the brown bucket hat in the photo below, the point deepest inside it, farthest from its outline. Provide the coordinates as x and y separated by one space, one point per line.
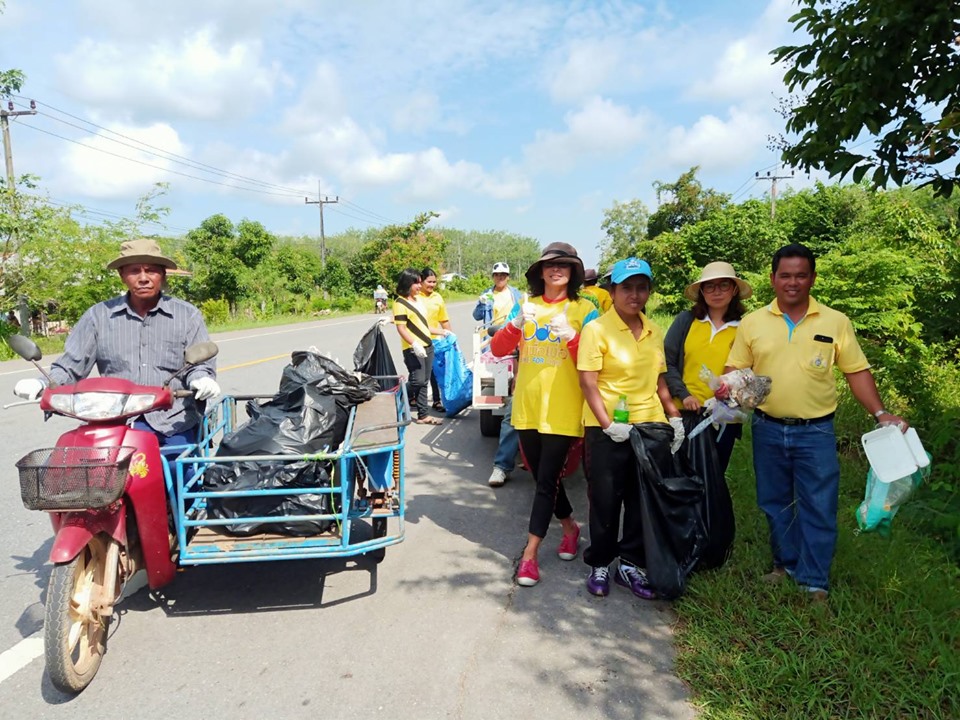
142 251
559 252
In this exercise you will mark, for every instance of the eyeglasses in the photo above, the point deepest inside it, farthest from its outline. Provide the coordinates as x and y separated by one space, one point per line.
551 264
719 286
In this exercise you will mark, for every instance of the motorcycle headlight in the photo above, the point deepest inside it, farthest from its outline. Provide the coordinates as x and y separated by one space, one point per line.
101 405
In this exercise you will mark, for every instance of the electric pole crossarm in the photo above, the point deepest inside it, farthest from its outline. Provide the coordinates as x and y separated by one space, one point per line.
321 201
773 188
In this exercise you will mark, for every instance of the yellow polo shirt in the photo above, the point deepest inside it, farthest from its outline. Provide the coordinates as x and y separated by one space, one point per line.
547 396
704 346
804 384
626 366
604 301
403 316
436 308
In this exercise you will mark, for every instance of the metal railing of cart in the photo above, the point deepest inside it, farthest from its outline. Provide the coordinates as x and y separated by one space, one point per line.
366 482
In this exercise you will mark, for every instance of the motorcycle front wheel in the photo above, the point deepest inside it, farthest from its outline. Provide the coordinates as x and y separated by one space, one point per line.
74 634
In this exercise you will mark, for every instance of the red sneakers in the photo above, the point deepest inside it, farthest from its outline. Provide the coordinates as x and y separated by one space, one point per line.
568 546
528 574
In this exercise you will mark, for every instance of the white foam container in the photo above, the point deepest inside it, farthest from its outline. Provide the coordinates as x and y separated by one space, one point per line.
894 454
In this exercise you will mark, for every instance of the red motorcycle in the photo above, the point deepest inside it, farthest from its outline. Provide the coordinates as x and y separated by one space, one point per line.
103 485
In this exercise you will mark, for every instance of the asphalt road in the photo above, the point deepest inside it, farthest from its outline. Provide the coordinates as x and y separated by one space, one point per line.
438 630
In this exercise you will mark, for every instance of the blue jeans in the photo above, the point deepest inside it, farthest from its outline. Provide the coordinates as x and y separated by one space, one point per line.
798 479
187 437
506 457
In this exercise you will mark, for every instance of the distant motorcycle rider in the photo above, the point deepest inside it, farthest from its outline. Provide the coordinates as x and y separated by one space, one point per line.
140 336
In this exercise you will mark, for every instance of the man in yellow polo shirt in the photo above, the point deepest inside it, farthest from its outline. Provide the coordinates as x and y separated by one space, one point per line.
798 342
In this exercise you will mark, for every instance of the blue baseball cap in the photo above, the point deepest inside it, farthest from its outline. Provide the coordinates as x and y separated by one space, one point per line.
624 269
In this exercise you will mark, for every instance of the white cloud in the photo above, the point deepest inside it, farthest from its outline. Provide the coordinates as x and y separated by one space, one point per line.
599 128
190 78
716 144
89 172
588 68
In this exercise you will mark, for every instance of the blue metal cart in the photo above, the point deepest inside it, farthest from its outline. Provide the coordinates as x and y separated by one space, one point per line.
366 490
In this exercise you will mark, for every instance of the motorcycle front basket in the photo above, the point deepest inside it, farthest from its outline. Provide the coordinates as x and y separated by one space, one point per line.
73 478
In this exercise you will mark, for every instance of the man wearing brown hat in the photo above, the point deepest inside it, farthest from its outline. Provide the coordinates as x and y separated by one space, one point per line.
139 336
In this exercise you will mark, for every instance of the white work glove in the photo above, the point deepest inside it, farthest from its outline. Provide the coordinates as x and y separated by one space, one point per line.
528 313
618 432
486 297
678 434
29 388
205 388
419 350
561 327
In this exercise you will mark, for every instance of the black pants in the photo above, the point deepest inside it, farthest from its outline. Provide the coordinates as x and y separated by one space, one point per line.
612 484
419 380
434 387
546 455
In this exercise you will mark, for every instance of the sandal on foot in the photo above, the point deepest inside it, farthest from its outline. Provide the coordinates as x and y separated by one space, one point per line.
429 421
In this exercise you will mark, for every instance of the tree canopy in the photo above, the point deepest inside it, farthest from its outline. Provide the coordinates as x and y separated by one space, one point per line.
884 67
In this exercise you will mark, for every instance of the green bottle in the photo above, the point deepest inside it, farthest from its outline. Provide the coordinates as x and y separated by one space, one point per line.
621 413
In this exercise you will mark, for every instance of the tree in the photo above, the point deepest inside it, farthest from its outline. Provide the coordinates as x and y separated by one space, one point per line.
395 248
624 226
217 271
686 202
886 67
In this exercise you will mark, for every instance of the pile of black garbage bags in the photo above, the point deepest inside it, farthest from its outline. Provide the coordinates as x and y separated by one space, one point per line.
688 521
308 415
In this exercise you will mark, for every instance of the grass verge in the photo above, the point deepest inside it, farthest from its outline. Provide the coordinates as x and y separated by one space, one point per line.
886 645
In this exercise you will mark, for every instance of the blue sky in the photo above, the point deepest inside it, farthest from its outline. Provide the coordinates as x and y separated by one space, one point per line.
529 117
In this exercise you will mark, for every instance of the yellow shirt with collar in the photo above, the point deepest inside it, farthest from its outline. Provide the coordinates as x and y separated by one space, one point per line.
435 307
402 315
804 384
625 366
547 395
705 346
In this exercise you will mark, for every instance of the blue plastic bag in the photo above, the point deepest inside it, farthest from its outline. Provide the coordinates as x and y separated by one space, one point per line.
454 378
882 500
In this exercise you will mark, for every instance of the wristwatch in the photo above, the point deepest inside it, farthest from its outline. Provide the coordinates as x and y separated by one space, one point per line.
880 412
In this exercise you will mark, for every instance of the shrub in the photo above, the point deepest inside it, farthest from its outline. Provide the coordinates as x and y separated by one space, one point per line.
215 312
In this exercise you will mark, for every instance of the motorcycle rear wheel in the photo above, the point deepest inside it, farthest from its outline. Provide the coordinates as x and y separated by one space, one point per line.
74 634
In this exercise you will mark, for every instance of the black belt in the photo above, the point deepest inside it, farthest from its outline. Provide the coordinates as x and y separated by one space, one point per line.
793 421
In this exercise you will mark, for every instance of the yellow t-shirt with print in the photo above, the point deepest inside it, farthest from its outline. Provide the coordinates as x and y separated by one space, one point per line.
800 362
436 308
625 366
402 315
547 396
704 346
502 306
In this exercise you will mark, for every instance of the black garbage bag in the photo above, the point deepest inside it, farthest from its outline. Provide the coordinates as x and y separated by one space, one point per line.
262 476
322 373
717 508
372 356
671 497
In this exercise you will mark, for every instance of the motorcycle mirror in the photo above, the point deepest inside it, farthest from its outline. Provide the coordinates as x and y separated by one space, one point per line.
201 352
24 347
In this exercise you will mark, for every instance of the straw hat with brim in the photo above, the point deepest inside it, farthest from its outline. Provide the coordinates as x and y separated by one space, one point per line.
717 271
562 253
141 251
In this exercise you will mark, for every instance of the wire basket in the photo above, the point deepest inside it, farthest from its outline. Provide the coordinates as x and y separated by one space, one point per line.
73 478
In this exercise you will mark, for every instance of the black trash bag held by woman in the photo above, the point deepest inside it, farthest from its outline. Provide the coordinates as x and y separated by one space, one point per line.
671 497
372 356
717 510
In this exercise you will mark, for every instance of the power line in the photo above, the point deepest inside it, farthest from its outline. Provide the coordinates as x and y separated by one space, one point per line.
88 211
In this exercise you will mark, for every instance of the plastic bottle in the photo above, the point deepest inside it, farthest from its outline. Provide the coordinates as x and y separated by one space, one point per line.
621 413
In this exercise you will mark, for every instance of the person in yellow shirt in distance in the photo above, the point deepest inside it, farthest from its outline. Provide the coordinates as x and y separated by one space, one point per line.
409 316
621 355
594 293
547 395
437 319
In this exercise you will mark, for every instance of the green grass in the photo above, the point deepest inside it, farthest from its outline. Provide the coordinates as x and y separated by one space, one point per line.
886 645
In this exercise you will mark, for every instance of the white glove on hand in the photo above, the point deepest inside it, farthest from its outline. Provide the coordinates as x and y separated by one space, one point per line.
618 432
29 388
419 350
560 327
486 297
528 313
205 388
678 434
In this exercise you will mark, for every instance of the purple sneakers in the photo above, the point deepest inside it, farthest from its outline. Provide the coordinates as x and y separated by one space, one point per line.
632 577
598 582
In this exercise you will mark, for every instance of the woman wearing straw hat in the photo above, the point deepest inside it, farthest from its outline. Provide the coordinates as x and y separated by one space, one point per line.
547 397
703 336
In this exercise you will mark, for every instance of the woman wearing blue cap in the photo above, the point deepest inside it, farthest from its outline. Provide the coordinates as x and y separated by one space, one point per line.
621 358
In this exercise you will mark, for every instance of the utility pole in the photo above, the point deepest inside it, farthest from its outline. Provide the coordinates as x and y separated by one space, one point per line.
321 201
5 116
773 188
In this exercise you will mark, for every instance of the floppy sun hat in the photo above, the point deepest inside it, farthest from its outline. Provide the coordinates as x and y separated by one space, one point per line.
500 267
142 251
624 269
717 271
559 252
